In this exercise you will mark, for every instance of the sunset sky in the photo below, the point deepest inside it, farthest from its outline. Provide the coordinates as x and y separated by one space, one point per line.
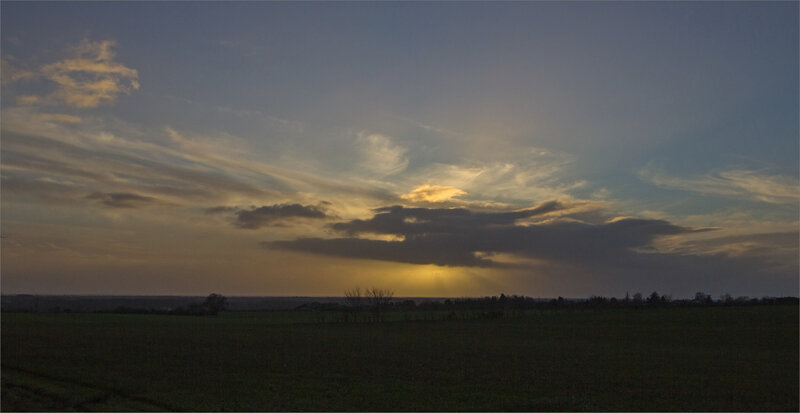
436 149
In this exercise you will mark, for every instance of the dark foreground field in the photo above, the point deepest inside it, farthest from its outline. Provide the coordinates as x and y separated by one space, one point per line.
724 358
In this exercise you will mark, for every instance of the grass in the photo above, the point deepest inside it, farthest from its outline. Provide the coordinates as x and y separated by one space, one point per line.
711 359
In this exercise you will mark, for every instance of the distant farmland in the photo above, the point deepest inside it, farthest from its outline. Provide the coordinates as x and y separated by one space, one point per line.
705 358
107 303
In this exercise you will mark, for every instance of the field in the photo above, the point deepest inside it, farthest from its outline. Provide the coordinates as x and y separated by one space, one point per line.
721 358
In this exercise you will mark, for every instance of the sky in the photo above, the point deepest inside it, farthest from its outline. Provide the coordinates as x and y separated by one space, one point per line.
431 148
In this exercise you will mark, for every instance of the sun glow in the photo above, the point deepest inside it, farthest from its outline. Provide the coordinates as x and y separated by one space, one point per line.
432 193
441 281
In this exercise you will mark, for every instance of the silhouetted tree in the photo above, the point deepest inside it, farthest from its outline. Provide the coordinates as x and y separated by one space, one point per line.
726 299
379 298
702 298
354 300
699 297
215 303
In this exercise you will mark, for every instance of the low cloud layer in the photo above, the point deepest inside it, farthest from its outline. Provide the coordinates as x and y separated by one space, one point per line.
552 241
460 237
270 215
406 222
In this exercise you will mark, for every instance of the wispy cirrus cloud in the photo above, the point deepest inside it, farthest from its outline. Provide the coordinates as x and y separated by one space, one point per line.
58 117
104 158
380 155
531 174
763 244
89 77
736 183
180 169
13 73
109 168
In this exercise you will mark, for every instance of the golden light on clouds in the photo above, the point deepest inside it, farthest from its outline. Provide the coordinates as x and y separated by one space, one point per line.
88 78
28 100
58 117
309 179
432 193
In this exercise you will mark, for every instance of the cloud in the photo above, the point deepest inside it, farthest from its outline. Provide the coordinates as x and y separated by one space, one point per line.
737 183
58 117
28 100
88 78
603 255
179 169
432 193
221 156
99 157
778 249
121 199
532 173
460 237
271 215
397 251
568 243
12 73
104 165
775 189
404 221
379 155
49 190
220 210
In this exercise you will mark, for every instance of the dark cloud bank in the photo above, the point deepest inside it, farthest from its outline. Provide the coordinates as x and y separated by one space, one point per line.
455 237
270 215
621 248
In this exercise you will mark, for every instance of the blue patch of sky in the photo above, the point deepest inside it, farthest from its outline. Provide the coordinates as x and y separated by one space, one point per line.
617 84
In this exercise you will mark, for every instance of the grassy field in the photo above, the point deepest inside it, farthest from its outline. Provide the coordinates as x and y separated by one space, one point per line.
724 358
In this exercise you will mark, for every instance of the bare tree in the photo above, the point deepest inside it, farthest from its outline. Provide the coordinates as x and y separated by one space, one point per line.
354 300
378 299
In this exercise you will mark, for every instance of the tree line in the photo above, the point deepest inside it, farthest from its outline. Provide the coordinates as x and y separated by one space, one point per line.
373 304
212 305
